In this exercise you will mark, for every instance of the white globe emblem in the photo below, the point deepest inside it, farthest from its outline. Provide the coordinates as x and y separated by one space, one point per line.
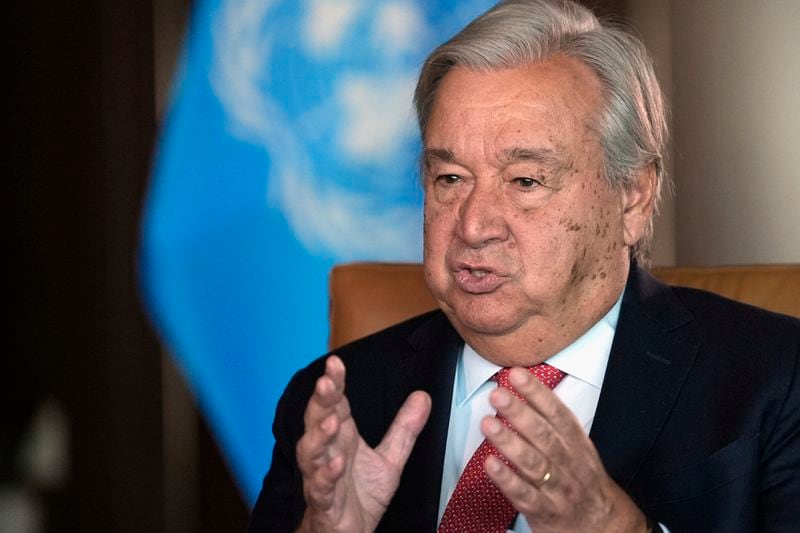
325 87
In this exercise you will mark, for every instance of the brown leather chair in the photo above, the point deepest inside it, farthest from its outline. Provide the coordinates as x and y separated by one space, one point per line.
367 297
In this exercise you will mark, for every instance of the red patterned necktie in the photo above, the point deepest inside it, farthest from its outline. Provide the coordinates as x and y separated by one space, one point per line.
477 505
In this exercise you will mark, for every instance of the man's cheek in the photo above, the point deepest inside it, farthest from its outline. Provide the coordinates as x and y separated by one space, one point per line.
438 222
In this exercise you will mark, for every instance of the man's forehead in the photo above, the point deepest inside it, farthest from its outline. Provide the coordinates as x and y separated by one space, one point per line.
567 73
546 88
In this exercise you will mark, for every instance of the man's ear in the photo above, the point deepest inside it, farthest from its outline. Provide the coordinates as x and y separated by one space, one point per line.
638 202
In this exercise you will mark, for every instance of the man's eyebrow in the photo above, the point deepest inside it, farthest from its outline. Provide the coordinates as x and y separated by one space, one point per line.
544 156
443 154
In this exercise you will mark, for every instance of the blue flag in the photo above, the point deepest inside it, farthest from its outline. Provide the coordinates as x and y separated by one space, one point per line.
290 146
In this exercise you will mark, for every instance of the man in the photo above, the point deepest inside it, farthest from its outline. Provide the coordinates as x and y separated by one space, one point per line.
543 133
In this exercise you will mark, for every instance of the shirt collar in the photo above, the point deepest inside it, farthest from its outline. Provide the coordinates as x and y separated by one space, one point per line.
585 359
473 371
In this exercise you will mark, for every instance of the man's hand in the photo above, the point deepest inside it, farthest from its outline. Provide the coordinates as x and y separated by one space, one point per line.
560 483
347 485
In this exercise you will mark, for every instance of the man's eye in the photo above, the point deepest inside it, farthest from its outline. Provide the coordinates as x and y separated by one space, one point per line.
526 183
448 188
448 179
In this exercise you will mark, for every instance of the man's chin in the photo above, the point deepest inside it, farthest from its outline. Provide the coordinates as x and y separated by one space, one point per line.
483 322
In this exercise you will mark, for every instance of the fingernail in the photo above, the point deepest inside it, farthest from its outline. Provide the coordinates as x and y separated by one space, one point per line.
332 362
502 398
519 377
493 426
493 464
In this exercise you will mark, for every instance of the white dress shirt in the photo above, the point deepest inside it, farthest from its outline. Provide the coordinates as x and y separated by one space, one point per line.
584 361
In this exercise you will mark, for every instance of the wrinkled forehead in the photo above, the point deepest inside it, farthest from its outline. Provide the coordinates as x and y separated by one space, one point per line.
549 105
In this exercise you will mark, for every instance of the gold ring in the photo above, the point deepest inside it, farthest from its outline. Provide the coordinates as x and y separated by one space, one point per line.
545 478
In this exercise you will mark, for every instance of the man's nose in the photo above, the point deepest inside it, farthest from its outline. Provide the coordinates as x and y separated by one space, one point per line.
481 217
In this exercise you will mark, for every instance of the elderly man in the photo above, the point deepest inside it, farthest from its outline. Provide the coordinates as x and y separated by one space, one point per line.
670 408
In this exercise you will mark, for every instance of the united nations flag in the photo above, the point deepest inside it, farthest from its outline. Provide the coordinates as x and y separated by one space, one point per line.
290 145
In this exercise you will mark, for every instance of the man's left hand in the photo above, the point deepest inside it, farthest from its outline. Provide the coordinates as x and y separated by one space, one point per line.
560 483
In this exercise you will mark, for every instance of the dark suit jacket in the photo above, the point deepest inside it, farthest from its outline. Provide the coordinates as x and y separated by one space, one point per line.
698 418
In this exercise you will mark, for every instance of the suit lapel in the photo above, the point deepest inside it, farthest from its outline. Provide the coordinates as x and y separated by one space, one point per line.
651 355
430 366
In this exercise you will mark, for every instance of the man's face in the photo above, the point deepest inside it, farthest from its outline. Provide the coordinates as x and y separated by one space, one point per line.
526 246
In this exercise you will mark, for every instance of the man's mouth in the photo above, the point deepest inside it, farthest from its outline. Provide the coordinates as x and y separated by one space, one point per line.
478 272
477 279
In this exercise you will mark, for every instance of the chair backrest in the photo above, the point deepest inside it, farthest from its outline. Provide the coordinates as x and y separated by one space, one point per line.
367 297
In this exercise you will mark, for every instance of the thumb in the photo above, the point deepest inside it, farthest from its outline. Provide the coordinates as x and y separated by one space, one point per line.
399 440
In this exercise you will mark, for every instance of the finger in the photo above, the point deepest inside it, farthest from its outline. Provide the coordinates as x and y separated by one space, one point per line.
529 461
523 496
531 426
328 394
543 420
334 367
316 446
399 440
546 403
320 488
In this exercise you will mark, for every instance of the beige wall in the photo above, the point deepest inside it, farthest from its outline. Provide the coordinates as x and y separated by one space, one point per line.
651 21
734 75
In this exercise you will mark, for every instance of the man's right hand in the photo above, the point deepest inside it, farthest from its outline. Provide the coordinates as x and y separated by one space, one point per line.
348 485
